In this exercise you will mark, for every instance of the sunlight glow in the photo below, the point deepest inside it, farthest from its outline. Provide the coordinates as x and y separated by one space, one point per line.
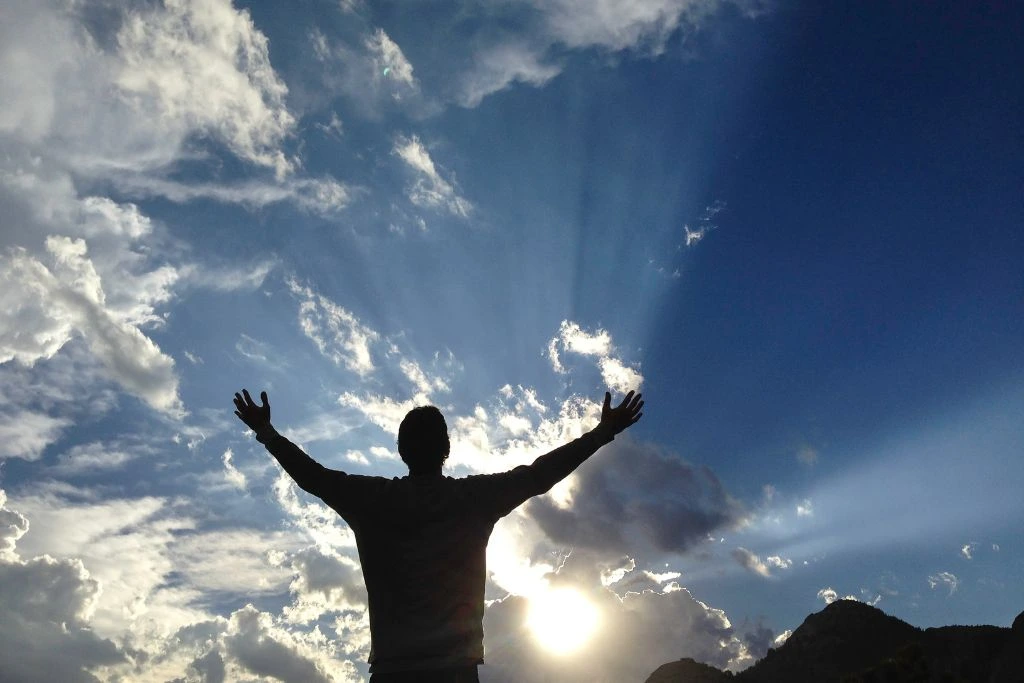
562 620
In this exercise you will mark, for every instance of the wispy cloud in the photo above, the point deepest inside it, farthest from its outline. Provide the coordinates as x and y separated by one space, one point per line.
498 67
231 473
371 72
388 59
750 561
323 196
429 189
642 27
947 580
337 333
97 456
26 434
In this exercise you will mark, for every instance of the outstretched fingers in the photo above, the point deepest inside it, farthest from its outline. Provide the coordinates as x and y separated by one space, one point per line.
633 406
625 401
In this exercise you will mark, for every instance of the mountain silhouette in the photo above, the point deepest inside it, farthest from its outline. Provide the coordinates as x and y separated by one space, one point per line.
850 642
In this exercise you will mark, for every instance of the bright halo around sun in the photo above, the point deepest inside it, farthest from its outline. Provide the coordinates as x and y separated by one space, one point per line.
562 620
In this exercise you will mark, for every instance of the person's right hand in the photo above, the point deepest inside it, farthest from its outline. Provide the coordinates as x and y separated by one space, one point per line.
252 415
623 415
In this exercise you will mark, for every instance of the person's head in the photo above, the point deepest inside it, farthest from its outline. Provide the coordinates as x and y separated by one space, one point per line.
423 440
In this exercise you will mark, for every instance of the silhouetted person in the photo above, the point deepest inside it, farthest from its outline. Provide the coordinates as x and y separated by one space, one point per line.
422 538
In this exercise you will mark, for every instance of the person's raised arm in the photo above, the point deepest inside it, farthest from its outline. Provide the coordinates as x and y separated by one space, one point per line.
310 475
553 467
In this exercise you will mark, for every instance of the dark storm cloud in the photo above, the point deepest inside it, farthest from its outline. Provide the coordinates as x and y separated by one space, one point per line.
259 649
632 492
758 638
45 602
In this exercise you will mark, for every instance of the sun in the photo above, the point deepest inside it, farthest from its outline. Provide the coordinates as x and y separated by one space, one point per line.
562 620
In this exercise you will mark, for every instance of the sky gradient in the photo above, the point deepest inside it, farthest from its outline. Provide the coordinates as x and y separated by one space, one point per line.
796 227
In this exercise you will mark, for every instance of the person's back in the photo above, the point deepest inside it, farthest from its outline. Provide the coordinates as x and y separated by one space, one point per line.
422 545
422 538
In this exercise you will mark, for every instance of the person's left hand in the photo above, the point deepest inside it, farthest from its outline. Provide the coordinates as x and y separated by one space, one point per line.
252 415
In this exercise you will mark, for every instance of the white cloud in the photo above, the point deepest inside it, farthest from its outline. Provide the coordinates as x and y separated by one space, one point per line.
119 100
805 508
618 376
135 99
572 338
641 26
67 612
388 59
100 535
322 196
750 561
104 295
315 520
202 556
94 457
337 333
500 66
968 550
232 473
253 349
694 236
324 581
383 411
829 595
372 73
74 293
781 639
382 453
26 434
779 562
429 189
421 381
577 340
356 457
203 66
333 128
946 580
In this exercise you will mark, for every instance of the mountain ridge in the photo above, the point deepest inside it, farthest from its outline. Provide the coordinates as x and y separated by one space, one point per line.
851 642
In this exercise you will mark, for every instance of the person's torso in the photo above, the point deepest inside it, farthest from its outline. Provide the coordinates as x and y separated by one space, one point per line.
422 547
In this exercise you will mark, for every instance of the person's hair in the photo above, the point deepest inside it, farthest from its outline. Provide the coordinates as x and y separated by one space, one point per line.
423 440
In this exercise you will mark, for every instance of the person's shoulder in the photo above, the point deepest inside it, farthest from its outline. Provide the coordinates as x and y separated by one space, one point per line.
368 480
513 474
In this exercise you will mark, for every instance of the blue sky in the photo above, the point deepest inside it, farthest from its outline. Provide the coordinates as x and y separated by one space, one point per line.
796 227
